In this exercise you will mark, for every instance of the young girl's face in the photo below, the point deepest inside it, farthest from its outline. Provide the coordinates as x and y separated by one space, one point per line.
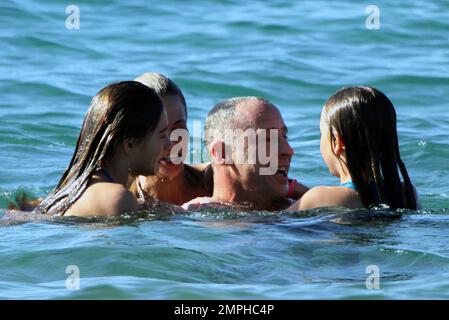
171 166
147 155
325 147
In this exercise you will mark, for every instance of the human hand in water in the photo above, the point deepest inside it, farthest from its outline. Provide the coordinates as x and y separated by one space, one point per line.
202 203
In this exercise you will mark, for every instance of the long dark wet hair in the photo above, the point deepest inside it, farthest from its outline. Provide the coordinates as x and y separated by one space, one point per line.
123 110
366 120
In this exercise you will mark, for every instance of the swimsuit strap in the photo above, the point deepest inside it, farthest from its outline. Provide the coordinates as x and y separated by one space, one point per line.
349 185
106 174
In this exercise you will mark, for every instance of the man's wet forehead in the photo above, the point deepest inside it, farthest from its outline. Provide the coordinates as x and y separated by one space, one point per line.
260 115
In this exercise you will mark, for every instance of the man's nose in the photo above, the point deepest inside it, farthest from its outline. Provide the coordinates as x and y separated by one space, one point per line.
286 149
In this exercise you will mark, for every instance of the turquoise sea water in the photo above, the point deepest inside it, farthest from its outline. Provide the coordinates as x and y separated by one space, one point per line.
294 53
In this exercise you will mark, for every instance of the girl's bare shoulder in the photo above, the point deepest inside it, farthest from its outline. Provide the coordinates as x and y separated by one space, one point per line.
328 196
104 199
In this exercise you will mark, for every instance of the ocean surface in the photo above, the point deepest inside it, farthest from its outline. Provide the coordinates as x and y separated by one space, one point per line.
294 53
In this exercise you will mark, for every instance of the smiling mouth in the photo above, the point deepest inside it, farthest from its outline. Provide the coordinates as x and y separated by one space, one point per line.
282 171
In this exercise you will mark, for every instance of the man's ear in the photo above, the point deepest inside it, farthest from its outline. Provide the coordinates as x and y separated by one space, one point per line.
218 152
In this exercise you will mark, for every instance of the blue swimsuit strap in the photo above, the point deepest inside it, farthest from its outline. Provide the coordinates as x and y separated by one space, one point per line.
372 185
349 185
106 174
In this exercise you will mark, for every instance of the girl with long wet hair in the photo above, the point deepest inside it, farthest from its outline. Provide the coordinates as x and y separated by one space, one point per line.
124 133
359 144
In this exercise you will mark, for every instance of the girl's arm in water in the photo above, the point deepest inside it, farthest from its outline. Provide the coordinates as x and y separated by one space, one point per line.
24 204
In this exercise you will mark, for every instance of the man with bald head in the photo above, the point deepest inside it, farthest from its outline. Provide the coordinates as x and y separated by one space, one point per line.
246 138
